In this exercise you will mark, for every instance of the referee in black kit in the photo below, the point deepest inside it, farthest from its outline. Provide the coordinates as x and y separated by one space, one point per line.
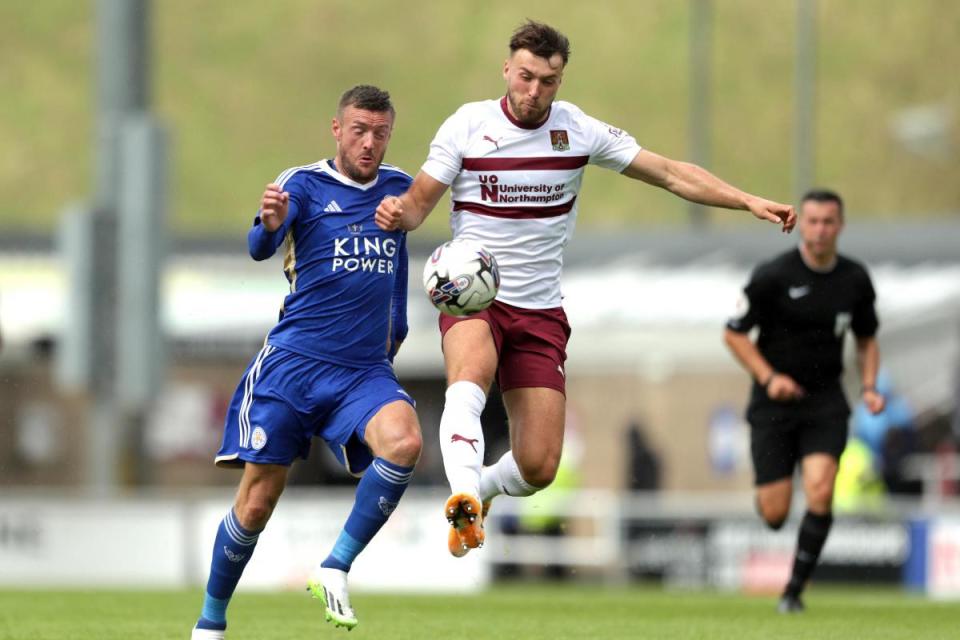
803 302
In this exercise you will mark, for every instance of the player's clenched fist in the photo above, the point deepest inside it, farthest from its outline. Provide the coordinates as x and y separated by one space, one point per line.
273 207
389 212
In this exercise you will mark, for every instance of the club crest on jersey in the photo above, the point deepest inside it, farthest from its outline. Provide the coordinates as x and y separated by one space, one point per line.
559 140
355 228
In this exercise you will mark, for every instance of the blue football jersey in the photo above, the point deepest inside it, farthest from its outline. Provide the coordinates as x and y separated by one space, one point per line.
348 277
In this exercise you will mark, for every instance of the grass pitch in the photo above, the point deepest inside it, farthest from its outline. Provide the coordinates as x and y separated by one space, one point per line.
520 612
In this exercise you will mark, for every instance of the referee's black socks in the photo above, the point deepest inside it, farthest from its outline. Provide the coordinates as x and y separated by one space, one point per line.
813 533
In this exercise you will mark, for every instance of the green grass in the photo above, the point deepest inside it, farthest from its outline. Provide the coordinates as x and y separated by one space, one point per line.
248 92
512 613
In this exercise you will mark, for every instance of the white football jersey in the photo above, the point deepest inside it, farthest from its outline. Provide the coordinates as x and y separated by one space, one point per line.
514 187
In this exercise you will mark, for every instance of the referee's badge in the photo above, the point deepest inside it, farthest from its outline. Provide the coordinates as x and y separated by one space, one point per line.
743 306
559 140
841 323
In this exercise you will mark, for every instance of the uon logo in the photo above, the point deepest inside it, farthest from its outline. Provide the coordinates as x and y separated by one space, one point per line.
258 439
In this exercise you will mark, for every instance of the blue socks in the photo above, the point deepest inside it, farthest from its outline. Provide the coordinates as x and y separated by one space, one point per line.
378 493
231 552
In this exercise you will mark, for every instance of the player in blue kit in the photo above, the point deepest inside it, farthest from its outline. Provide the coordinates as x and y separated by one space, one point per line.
325 368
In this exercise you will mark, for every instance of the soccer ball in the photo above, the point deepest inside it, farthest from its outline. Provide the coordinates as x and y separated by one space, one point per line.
461 277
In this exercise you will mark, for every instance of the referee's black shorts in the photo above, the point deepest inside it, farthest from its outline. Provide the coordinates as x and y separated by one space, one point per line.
782 433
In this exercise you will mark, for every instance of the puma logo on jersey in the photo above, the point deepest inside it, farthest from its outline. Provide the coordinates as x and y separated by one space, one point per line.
470 441
496 142
796 293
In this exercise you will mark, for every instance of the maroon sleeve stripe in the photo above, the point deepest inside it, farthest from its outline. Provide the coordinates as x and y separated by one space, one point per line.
524 213
525 164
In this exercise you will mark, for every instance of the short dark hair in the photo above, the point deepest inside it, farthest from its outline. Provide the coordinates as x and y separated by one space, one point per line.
541 40
823 195
366 97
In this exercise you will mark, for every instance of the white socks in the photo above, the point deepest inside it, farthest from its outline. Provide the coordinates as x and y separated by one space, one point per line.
504 477
461 436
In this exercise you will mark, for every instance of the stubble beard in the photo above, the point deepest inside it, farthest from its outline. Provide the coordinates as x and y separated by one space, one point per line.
354 172
535 118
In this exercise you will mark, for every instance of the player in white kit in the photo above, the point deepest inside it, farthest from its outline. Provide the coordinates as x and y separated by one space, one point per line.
514 167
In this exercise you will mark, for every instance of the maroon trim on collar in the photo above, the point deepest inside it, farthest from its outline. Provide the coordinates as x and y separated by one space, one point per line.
517 123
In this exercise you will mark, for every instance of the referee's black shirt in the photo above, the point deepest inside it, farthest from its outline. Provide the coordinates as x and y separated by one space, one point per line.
803 315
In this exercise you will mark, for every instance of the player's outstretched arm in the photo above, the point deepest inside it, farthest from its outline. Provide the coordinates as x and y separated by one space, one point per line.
408 211
696 184
868 357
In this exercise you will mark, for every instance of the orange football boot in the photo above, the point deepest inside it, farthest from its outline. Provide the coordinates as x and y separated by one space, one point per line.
465 515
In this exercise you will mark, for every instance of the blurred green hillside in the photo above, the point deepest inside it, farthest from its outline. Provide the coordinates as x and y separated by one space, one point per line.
249 89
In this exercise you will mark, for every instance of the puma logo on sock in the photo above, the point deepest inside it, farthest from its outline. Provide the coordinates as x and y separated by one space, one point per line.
470 441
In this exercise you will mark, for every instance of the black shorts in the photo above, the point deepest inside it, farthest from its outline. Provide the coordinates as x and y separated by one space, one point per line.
783 433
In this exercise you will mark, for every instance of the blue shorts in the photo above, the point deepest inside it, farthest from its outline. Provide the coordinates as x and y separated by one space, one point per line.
284 399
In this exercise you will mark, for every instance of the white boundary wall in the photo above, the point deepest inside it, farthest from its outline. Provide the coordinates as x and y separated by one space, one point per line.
81 542
162 542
